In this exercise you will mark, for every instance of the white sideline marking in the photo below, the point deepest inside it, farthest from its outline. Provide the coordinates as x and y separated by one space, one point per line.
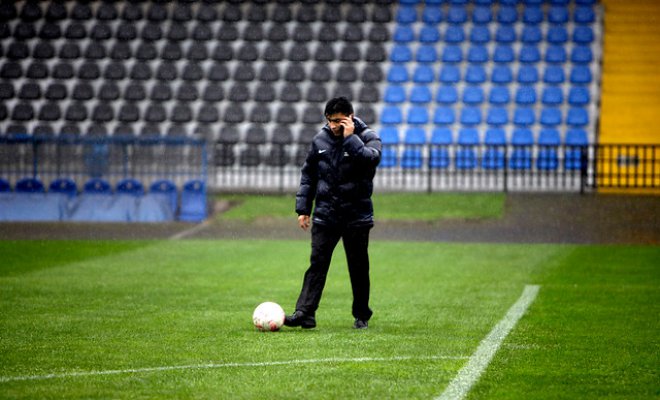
468 375
190 231
222 365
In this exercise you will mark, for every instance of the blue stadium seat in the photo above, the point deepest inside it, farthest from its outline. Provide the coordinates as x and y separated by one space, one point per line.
482 15
497 116
391 115
406 14
577 117
439 157
426 54
394 94
525 95
524 116
552 96
581 55
65 186
452 54
480 34
431 15
5 187
532 15
97 186
547 158
529 54
429 34
414 139
501 74
447 95
583 34
29 185
521 156
389 135
550 117
579 96
466 157
531 34
477 54
555 54
528 74
473 95
193 201
456 14
475 74
584 15
166 188
417 115
493 156
505 34
580 75
444 116
558 14
557 35
398 73
423 74
401 54
404 34
503 54
389 157
454 34
507 15
471 116
450 74
554 75
130 186
420 94
575 141
499 95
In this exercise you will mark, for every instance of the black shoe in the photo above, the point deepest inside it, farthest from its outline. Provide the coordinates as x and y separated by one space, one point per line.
301 319
360 324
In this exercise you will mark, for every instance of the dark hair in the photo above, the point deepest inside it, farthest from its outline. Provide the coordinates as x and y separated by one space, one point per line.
339 105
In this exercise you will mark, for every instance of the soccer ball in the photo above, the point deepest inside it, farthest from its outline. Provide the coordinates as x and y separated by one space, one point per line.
268 316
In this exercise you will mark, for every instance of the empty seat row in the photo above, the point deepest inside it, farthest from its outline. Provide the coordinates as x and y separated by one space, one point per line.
498 74
533 35
496 136
493 116
499 95
200 32
500 54
504 14
204 12
216 71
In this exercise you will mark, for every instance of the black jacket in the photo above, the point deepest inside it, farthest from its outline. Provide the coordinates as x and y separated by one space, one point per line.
338 173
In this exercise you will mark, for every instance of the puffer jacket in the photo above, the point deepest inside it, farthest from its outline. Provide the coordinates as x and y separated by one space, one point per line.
338 177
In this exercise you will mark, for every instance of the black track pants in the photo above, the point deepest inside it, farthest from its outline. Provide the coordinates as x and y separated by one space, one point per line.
324 241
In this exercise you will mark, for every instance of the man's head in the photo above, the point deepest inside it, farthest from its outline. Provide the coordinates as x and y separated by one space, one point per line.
337 109
338 105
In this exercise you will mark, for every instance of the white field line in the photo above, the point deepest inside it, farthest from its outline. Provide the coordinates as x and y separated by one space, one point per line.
190 231
222 365
462 383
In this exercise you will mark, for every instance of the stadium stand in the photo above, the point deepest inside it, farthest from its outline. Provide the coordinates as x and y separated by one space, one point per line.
221 71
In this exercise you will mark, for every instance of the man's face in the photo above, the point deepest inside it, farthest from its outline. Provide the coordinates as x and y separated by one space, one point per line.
335 122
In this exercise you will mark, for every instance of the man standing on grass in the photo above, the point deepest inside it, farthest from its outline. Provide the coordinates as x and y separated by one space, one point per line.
337 178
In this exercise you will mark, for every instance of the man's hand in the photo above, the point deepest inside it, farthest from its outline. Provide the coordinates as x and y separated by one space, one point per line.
303 222
349 126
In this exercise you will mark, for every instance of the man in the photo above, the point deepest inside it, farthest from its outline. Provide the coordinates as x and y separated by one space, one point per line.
338 178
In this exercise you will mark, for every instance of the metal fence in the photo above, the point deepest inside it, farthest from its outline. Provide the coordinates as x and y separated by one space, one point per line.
79 158
429 168
276 168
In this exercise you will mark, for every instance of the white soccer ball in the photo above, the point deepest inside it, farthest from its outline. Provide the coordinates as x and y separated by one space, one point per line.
268 316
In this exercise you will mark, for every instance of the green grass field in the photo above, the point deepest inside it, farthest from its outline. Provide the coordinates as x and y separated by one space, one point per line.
172 320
